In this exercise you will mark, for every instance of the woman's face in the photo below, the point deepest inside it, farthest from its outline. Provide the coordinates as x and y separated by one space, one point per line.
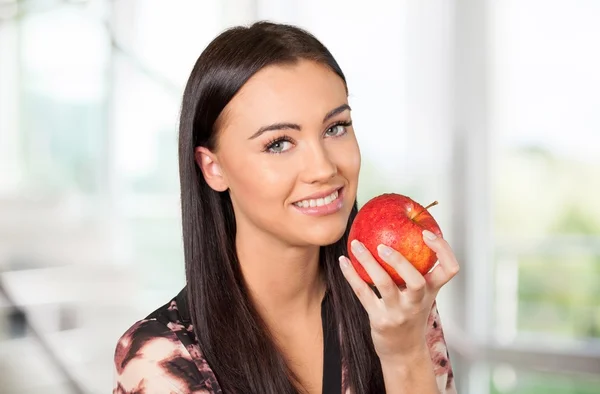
287 152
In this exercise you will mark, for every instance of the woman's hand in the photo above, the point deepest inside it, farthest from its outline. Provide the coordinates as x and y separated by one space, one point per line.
399 319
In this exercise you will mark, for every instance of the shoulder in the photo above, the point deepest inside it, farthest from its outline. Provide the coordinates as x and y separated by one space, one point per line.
159 355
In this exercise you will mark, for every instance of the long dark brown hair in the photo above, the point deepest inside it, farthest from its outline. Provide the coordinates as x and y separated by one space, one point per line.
232 336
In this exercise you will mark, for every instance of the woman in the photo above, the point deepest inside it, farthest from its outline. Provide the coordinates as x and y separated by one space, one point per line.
269 168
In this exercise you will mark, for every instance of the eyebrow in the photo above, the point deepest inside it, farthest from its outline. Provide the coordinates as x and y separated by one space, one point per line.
293 126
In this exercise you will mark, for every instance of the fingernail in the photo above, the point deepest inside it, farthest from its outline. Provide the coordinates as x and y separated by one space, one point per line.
384 251
429 235
357 247
343 262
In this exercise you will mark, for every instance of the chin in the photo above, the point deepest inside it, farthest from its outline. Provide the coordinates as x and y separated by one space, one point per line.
325 235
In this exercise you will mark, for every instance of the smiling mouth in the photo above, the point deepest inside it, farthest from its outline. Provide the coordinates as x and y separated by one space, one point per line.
318 202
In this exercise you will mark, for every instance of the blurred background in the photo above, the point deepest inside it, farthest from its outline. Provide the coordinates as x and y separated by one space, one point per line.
490 107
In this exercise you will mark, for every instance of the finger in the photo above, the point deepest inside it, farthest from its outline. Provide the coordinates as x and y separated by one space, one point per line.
437 278
415 282
447 267
363 291
381 279
440 275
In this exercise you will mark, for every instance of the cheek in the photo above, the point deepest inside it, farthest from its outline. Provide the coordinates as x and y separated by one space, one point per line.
348 160
260 179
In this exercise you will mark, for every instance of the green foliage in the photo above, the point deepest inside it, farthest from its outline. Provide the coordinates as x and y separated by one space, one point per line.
552 200
538 194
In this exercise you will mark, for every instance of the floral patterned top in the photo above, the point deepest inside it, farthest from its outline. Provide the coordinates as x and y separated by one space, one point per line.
160 354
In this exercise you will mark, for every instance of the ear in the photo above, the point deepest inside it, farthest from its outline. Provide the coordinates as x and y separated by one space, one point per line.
211 169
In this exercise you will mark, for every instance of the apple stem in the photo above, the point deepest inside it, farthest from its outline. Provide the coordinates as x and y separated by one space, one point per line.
433 204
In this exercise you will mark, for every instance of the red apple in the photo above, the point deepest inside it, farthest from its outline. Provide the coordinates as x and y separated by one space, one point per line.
398 222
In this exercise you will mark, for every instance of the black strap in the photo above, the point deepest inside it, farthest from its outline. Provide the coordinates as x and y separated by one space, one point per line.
332 358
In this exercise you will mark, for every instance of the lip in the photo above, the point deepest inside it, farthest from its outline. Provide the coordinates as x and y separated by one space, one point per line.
316 196
324 210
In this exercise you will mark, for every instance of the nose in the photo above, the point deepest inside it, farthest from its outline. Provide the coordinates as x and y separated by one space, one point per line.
319 166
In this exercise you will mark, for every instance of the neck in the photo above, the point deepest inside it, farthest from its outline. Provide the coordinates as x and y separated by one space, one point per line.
284 282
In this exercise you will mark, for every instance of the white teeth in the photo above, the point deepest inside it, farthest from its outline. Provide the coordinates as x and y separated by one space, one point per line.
319 202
